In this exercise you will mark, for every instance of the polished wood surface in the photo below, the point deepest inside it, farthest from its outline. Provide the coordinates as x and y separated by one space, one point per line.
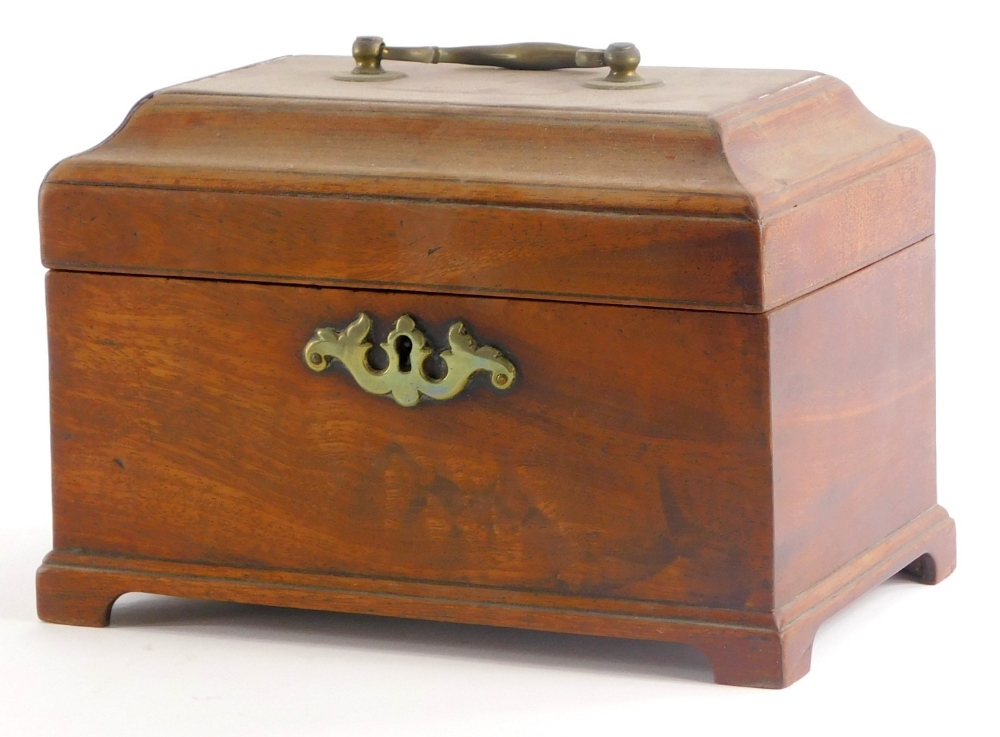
718 295
744 648
740 194
180 403
852 413
195 454
428 247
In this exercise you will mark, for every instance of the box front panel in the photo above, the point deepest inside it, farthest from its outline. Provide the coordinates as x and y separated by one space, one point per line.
629 460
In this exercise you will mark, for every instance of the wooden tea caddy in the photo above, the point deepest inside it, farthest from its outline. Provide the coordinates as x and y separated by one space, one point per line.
687 388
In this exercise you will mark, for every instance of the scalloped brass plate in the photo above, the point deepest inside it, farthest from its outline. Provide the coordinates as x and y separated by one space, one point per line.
405 379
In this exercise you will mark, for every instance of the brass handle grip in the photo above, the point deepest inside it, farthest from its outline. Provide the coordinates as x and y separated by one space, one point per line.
526 56
621 58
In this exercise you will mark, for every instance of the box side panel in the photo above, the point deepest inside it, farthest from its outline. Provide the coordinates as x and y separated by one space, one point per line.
629 462
852 386
864 220
835 188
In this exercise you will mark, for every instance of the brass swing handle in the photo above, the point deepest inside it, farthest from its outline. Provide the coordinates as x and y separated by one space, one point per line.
621 58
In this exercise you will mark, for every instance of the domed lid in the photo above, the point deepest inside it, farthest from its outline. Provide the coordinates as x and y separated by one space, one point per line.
717 189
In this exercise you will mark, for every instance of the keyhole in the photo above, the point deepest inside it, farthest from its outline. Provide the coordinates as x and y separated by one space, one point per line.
403 347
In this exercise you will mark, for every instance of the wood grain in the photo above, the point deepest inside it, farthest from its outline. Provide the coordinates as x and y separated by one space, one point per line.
744 648
718 294
428 247
719 199
852 397
630 460
637 490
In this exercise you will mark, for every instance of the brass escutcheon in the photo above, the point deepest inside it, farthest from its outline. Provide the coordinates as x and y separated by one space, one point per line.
405 378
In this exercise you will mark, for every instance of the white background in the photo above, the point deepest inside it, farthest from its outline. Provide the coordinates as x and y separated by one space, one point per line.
906 659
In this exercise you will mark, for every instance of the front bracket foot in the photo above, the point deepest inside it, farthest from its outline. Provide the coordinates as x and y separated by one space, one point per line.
74 596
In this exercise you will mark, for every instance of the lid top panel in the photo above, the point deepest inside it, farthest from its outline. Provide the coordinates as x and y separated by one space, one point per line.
700 92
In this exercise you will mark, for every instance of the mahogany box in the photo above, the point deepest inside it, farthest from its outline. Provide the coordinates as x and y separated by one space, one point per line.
495 347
